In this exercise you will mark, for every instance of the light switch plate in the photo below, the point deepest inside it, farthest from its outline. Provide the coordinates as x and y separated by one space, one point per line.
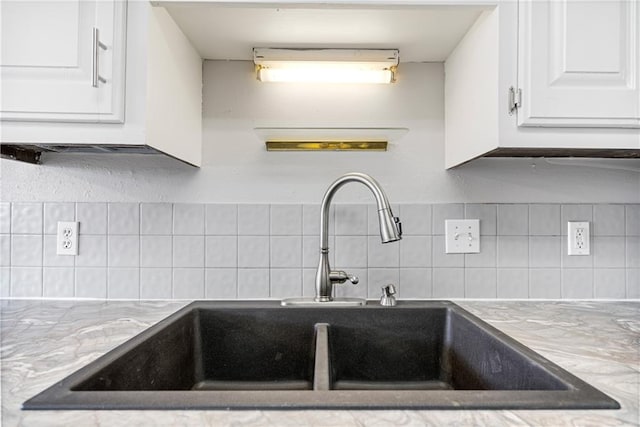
462 236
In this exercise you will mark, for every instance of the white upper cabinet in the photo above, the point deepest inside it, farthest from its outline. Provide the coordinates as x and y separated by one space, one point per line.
148 97
63 60
578 63
551 78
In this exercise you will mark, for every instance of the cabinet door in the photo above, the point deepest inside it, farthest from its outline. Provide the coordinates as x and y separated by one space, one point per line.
49 59
578 63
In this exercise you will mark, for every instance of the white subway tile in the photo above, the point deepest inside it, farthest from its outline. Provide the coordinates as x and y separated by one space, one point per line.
309 282
188 219
123 251
544 283
221 283
5 250
311 251
415 251
352 251
123 218
155 283
632 217
221 251
59 282
286 282
92 218
123 283
448 283
253 251
253 283
416 219
351 220
574 261
513 283
513 220
52 259
156 218
54 212
415 283
544 220
480 283
633 252
92 251
633 283
26 250
221 220
26 218
577 283
513 251
609 283
253 220
286 252
5 217
608 220
26 282
156 251
442 259
188 283
544 251
487 256
5 282
91 282
608 252
286 220
188 251
383 255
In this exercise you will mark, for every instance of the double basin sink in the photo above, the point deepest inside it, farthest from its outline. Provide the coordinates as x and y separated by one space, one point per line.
259 355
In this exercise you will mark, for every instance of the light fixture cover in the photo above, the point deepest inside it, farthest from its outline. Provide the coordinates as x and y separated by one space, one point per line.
326 65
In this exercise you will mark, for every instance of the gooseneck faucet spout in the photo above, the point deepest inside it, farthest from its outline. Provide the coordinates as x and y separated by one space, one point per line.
390 231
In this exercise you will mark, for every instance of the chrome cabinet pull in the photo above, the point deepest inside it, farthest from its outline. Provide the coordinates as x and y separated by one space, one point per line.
95 72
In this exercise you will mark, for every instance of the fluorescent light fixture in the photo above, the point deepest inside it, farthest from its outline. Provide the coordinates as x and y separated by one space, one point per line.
326 65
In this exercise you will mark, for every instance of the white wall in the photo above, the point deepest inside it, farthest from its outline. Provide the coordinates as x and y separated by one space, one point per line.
237 169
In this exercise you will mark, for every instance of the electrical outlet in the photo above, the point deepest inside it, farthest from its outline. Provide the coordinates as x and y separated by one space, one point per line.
462 236
578 238
67 239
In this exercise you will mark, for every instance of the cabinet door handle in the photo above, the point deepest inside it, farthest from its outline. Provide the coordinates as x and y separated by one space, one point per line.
95 70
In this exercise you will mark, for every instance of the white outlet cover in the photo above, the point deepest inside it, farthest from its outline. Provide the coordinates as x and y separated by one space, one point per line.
578 238
67 238
462 236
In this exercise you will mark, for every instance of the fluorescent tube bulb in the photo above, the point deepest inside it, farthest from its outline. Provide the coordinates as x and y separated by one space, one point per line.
326 65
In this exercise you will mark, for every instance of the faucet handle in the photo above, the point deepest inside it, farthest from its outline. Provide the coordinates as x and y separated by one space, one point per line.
341 277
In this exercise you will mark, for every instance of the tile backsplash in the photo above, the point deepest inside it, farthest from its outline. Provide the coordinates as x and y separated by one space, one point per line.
226 251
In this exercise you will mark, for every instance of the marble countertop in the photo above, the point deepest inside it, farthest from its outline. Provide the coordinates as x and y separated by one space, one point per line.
44 341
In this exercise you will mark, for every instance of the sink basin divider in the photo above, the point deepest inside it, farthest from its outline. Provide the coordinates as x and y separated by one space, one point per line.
198 368
322 369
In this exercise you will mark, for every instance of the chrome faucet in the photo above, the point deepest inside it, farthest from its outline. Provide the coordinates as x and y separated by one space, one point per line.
390 231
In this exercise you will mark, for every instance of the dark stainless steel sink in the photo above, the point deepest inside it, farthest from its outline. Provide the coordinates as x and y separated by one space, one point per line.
248 355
